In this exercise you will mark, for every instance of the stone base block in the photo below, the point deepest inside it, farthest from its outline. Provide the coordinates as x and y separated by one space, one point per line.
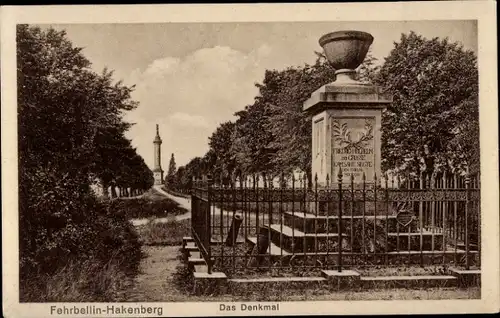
343 279
191 247
186 240
466 278
205 283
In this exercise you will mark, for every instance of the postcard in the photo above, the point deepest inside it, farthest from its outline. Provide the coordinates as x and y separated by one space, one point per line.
249 159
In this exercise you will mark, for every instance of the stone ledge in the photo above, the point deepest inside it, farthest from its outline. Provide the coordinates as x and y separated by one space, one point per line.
343 273
408 281
343 279
206 275
466 278
239 286
276 279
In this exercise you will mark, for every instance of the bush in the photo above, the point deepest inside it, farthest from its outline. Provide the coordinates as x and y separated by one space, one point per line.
61 223
78 281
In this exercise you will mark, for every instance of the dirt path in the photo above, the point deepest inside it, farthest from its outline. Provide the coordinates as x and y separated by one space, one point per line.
155 281
183 202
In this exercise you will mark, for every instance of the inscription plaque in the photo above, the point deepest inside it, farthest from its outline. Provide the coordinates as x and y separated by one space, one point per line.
353 147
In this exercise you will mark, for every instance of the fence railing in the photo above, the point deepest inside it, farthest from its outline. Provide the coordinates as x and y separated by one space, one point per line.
249 224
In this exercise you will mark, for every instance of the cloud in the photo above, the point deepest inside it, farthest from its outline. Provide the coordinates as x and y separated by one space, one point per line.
189 96
162 66
190 120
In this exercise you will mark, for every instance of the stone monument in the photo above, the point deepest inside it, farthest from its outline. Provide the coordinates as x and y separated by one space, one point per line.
346 114
157 170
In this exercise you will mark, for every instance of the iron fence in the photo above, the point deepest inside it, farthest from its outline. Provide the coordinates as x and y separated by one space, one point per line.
253 224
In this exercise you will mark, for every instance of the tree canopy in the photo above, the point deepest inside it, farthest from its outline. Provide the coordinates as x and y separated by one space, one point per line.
171 170
433 121
71 133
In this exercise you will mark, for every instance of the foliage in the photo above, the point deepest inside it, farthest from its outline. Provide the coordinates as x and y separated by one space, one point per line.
71 133
170 178
221 152
433 120
145 207
432 123
78 281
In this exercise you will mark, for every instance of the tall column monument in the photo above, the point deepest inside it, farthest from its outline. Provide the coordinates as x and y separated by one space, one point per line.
157 170
346 114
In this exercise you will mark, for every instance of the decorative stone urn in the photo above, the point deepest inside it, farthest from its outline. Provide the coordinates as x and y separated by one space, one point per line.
346 114
346 50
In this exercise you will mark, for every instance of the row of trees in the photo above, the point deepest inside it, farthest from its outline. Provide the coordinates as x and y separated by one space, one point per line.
71 133
432 123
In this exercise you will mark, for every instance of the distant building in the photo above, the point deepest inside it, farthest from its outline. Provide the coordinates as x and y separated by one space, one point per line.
157 170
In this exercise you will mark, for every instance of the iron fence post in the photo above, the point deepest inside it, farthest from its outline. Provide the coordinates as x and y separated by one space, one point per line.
207 224
339 238
467 201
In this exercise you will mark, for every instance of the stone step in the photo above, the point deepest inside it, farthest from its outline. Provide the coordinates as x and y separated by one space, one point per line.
288 231
461 245
311 223
294 240
358 207
273 249
217 239
191 246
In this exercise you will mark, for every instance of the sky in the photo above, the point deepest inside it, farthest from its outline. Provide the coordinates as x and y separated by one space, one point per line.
190 77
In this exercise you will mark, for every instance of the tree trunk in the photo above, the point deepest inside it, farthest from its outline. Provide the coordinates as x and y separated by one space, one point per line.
105 189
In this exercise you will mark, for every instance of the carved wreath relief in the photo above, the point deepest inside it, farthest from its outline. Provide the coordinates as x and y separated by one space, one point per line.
353 147
343 135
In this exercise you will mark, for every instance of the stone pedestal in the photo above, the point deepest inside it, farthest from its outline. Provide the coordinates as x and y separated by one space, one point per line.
346 115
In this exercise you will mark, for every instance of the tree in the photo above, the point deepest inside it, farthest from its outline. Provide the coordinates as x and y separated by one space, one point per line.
368 71
171 171
70 132
220 157
433 120
251 144
273 134
284 92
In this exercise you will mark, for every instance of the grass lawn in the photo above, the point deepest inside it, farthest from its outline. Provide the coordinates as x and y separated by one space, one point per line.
151 204
164 277
168 233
